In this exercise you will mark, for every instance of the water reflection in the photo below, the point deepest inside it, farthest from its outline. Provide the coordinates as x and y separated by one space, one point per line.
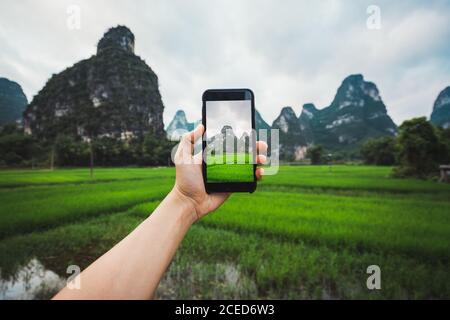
186 279
31 282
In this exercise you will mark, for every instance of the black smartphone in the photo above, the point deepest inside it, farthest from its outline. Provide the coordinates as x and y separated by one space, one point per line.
229 144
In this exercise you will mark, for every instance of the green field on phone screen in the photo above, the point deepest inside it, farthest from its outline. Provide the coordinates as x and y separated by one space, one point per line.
231 167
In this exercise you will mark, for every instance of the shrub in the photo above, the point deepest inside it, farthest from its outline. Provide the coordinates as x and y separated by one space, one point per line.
419 148
381 151
315 153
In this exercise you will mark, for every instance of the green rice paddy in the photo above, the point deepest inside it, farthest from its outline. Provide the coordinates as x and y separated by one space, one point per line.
308 232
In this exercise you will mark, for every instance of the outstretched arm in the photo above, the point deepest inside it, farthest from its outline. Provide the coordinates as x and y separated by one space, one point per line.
133 268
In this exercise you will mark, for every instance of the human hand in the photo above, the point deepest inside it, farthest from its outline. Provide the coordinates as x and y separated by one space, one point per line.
189 177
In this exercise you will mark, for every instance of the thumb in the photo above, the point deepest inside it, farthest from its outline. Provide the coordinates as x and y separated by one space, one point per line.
188 140
196 134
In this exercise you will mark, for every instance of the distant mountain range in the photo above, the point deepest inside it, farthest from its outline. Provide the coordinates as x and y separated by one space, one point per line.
116 94
179 125
356 114
441 109
227 135
12 101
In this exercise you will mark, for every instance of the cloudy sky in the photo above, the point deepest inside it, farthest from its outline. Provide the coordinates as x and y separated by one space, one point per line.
237 114
288 52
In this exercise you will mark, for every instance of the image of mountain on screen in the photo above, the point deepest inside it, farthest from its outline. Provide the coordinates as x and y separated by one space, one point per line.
228 157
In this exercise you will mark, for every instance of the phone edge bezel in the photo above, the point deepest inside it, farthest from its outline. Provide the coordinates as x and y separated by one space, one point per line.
228 186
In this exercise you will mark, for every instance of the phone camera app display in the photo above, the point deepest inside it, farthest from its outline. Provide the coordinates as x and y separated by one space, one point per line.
230 140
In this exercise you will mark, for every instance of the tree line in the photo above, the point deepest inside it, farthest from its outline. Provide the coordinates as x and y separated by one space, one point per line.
21 150
417 149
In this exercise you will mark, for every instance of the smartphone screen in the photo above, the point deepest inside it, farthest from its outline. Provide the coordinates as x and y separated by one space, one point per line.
229 153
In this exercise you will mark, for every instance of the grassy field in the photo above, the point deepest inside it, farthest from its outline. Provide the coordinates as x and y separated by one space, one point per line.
308 232
234 167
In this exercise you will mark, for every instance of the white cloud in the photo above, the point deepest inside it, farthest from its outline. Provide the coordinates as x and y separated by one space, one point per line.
289 52
236 114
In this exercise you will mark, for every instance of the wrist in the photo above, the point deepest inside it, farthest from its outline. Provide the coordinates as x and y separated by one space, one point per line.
187 205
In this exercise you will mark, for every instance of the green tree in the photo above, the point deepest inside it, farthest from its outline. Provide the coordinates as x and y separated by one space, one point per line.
315 153
444 139
9 129
114 152
16 149
156 150
380 151
419 148
71 152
